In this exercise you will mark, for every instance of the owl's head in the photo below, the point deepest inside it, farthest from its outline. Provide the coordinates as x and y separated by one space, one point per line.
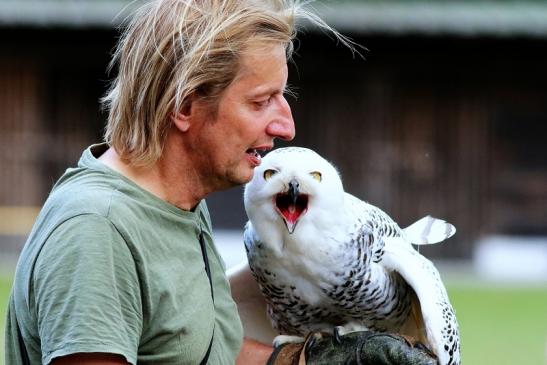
290 185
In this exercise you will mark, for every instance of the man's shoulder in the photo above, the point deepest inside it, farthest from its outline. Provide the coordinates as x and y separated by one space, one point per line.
77 194
86 194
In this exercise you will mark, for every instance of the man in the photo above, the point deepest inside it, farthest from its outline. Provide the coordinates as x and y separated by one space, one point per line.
113 272
120 266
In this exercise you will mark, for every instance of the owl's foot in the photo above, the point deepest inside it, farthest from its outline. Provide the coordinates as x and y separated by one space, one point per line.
283 339
348 328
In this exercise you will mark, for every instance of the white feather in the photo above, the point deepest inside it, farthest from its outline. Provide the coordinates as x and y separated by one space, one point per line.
429 230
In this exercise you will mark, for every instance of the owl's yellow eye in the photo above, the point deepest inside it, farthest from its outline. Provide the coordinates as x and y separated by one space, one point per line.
316 175
269 173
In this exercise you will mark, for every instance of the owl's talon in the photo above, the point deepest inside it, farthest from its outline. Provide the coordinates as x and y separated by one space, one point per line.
311 340
337 334
283 339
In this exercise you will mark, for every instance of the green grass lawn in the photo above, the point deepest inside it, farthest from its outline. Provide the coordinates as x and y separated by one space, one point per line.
502 326
499 326
5 287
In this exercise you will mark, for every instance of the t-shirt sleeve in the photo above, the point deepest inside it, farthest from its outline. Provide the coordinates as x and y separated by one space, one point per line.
86 291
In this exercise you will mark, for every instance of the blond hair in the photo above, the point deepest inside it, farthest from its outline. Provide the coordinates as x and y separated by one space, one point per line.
174 49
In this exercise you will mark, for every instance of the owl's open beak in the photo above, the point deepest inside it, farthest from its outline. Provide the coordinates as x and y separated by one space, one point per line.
291 205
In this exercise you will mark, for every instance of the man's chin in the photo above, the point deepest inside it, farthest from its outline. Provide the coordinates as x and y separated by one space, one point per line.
240 177
243 179
245 174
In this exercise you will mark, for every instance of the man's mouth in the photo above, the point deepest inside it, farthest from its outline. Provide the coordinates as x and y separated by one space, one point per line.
254 156
291 205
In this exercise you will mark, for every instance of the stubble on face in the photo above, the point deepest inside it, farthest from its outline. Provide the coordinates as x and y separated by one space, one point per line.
232 129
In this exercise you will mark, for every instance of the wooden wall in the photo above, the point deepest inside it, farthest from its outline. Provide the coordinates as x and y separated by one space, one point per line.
455 128
451 127
50 82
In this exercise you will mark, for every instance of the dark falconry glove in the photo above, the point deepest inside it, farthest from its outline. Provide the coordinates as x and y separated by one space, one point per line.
355 348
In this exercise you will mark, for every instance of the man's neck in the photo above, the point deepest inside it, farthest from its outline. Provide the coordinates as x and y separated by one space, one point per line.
169 180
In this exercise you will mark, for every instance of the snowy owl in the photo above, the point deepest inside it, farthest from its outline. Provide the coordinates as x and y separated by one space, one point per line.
324 259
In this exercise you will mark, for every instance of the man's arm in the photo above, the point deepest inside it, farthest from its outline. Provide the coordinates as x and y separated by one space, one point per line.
252 310
250 304
253 353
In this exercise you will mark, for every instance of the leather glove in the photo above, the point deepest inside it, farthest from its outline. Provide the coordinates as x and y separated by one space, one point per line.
359 348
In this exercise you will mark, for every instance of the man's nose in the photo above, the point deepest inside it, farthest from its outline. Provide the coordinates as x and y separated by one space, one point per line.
282 125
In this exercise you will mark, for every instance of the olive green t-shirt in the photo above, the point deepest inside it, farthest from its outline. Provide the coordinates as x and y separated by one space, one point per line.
109 267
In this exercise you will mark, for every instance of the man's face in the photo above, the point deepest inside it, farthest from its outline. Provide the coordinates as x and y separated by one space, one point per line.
252 112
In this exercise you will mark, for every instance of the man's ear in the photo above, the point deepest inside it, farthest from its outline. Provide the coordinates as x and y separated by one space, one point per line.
182 118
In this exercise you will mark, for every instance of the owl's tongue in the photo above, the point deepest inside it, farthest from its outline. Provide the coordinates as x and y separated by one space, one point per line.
291 208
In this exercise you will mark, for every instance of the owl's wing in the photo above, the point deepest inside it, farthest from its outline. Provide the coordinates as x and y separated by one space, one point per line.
429 230
426 231
432 303
368 218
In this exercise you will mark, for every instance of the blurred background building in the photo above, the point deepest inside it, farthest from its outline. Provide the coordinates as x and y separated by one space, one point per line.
445 113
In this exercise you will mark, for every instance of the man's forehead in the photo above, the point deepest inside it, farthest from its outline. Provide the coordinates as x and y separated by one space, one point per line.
260 51
262 64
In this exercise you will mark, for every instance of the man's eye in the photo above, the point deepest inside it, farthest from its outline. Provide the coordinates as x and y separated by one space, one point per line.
262 103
